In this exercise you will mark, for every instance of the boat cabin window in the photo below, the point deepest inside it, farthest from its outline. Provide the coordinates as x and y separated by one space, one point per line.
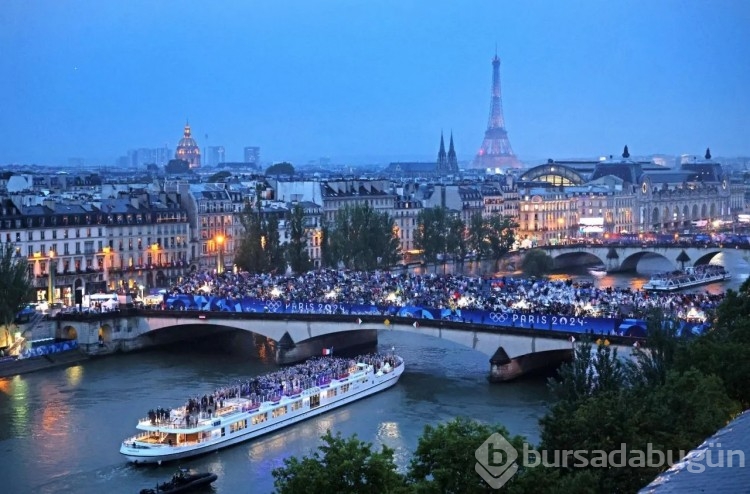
297 405
345 388
331 392
315 401
278 412
238 426
261 417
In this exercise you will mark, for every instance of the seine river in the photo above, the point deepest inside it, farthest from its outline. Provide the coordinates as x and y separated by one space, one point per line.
60 429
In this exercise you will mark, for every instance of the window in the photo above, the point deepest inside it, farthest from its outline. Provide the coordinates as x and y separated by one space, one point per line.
278 412
261 417
331 393
345 388
238 426
315 401
296 405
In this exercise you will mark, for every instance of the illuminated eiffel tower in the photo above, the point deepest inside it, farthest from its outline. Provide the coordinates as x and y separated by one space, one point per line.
496 151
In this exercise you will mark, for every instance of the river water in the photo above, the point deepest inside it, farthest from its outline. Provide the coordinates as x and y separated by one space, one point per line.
60 429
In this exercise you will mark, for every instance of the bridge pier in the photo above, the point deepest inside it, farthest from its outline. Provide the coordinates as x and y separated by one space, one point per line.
504 369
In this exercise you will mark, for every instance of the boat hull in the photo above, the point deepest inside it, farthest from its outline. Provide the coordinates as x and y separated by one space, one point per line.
160 454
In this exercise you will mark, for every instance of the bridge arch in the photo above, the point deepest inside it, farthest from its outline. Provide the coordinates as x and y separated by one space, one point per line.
105 333
579 258
68 333
630 263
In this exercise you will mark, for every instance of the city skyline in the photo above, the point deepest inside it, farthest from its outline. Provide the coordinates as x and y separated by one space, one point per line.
366 81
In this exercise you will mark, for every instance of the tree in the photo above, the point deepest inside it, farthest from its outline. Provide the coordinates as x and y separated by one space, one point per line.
430 235
177 166
219 177
536 262
444 459
500 235
477 238
260 249
342 466
16 286
455 239
282 168
363 239
296 249
273 251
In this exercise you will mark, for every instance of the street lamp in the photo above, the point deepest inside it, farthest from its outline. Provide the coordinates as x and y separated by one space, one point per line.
219 254
141 287
51 279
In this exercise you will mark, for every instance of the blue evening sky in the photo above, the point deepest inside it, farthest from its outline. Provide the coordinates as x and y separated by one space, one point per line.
362 81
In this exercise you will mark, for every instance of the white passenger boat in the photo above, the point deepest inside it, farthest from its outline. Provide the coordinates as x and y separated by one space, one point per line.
690 277
258 406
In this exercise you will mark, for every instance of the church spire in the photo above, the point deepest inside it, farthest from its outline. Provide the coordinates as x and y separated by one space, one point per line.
452 159
442 161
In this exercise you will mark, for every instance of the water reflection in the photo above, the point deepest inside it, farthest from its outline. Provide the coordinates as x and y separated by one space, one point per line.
74 374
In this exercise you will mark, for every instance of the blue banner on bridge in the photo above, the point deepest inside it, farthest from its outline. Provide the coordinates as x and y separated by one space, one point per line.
570 324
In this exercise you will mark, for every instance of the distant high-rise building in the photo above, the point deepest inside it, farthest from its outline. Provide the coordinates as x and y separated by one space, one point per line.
495 151
215 155
252 155
188 149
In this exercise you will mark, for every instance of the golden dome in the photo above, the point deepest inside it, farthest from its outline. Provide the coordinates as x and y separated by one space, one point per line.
188 150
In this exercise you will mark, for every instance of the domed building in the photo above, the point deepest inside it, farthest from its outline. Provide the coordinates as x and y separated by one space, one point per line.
188 150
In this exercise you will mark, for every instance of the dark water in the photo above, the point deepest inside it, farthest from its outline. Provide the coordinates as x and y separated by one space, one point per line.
60 430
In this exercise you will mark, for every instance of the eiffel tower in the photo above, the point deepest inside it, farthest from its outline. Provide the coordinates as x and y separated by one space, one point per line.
496 151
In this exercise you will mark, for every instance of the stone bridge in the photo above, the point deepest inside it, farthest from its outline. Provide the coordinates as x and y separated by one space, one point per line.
294 337
618 258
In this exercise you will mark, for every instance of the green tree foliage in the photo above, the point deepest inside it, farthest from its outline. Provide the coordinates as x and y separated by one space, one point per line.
176 166
296 249
260 249
282 168
219 177
362 239
444 459
431 232
15 289
455 239
477 236
341 466
500 235
536 262
724 351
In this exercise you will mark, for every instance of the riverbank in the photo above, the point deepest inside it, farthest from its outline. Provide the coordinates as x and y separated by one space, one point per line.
24 366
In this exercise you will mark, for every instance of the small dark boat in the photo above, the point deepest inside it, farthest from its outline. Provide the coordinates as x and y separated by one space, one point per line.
182 481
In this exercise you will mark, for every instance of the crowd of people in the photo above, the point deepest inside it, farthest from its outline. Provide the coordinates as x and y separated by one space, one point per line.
288 381
506 294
